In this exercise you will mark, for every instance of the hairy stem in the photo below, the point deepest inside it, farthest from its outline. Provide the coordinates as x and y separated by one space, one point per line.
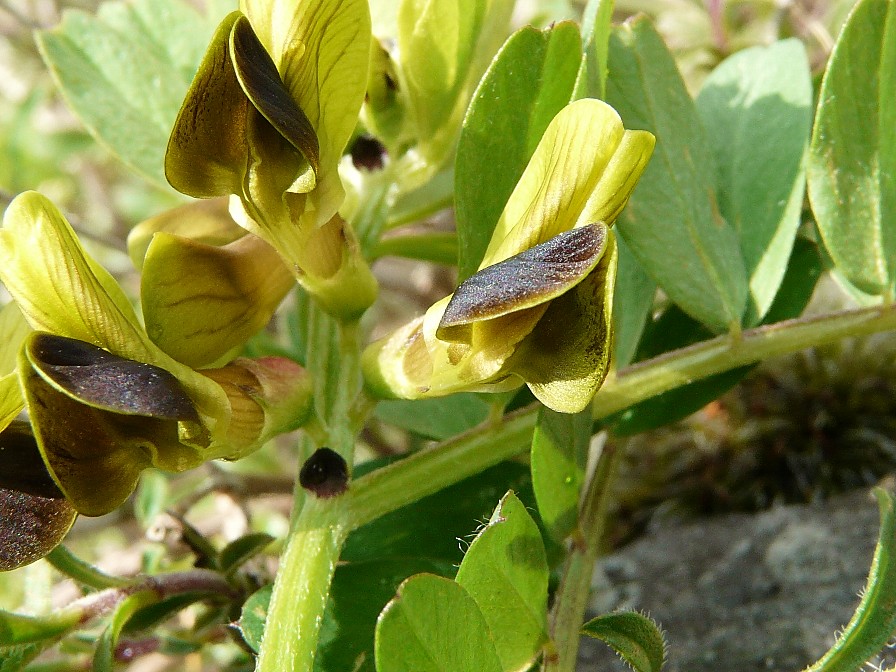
318 529
408 480
572 597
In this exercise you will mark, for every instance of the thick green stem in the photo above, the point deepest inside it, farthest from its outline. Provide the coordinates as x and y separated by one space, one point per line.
572 597
318 529
300 591
679 367
429 470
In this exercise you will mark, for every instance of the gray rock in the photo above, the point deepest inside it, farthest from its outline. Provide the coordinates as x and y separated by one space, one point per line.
742 593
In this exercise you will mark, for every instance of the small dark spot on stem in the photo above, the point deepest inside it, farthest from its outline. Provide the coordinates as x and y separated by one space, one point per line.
324 474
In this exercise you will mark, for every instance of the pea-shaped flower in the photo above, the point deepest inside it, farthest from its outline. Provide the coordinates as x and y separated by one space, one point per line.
267 117
539 309
104 400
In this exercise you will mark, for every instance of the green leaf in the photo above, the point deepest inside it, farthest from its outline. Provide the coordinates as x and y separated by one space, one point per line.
528 83
506 573
104 658
558 457
852 159
254 614
433 624
439 418
152 614
124 72
672 223
151 497
874 621
756 107
358 594
238 551
634 637
444 48
632 304
431 527
596 23
674 329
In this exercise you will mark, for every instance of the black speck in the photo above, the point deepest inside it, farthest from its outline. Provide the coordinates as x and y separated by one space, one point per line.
324 474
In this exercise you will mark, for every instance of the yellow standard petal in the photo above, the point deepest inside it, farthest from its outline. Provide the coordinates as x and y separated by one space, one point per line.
13 331
63 291
578 153
321 49
228 295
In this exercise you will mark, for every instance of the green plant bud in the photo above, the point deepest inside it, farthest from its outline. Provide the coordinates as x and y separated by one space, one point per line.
267 396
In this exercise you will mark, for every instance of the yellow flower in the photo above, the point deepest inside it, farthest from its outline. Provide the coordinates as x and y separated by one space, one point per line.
105 401
539 309
273 104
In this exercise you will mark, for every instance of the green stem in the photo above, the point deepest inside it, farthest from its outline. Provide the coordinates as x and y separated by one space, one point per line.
302 586
313 548
433 469
72 566
673 369
568 611
318 528
423 473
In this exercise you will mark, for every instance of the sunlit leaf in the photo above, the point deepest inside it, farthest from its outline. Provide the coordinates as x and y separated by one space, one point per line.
433 623
506 573
253 616
592 78
756 108
124 72
558 456
852 160
632 304
871 626
634 637
358 594
672 223
439 418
